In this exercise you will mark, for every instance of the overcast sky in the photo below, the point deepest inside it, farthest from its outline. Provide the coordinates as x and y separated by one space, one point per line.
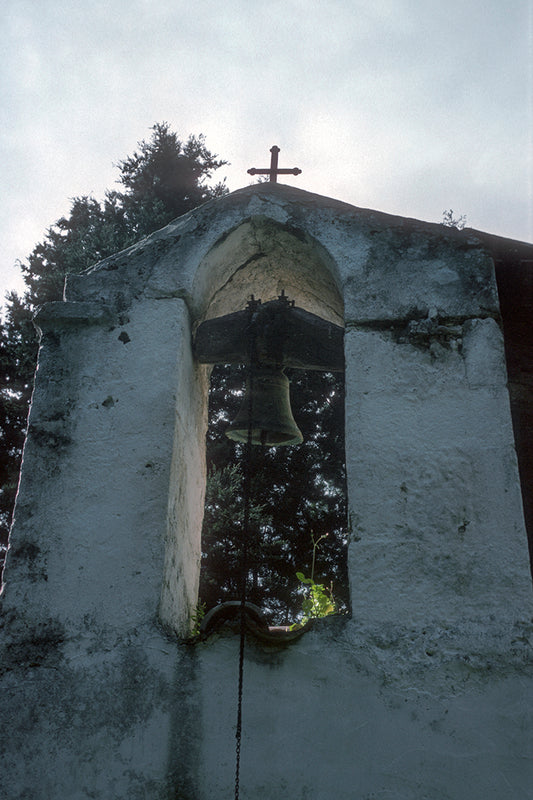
406 106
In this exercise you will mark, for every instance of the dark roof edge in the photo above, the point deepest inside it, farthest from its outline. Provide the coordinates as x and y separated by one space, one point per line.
499 246
503 248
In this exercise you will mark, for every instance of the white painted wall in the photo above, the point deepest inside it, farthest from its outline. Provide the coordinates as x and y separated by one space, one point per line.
435 501
425 692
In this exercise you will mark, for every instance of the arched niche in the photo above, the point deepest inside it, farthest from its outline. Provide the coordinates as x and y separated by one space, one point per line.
261 257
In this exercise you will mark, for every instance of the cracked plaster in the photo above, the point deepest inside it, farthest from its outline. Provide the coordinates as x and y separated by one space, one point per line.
426 691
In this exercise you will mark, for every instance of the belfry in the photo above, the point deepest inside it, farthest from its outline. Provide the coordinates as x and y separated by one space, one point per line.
425 689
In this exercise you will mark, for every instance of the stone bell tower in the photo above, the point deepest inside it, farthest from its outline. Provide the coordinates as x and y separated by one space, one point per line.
425 691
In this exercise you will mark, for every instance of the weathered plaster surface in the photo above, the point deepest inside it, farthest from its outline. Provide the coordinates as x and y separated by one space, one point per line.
432 478
99 446
101 717
349 712
425 693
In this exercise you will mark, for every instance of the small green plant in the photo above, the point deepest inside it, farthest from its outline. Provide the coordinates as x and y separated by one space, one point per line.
450 221
196 618
318 601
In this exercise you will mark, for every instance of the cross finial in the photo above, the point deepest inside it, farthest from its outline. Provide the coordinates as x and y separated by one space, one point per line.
273 171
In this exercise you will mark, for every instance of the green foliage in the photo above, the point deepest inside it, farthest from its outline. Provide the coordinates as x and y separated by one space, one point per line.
318 601
164 179
18 353
197 617
91 232
222 536
298 492
453 222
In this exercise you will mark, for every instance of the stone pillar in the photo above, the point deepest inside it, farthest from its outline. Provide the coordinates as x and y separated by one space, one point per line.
438 532
92 517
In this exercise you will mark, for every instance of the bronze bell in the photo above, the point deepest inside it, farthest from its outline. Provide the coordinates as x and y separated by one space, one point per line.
272 422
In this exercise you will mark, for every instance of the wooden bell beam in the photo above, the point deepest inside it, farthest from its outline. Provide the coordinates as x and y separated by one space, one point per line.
286 336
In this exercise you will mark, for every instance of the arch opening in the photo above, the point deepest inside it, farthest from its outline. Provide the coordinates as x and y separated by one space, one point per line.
299 492
298 499
262 257
298 504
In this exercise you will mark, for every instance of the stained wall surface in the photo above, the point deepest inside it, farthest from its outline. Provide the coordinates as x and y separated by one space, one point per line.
425 691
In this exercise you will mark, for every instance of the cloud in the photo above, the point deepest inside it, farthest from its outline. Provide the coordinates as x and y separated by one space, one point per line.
408 106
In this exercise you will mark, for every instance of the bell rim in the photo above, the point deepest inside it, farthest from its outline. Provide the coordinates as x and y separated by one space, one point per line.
240 435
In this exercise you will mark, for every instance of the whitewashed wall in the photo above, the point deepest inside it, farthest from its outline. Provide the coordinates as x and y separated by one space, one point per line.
425 692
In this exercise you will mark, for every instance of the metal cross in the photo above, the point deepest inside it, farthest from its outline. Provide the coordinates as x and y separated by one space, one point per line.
273 171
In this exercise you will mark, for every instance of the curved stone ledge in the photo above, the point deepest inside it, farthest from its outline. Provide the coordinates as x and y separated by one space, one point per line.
255 622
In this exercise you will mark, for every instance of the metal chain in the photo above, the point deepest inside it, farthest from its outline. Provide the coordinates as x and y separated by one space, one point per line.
244 544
